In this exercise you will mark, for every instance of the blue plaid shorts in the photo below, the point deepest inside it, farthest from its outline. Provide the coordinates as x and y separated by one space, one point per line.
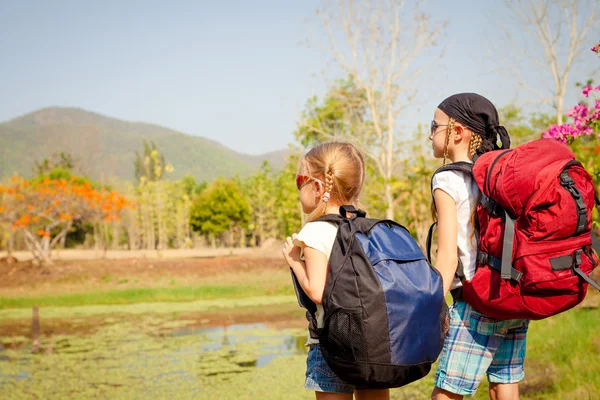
320 378
476 345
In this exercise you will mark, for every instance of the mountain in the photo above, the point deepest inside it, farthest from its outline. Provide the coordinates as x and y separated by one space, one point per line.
105 147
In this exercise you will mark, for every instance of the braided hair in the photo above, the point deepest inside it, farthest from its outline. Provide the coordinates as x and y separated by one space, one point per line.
341 167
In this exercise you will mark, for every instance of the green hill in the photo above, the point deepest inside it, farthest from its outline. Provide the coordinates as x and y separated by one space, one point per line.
105 147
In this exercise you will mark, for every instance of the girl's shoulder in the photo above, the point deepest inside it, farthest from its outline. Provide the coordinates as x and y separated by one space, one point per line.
318 234
459 185
451 178
318 226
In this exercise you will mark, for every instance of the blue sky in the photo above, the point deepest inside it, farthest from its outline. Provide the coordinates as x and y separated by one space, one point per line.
236 72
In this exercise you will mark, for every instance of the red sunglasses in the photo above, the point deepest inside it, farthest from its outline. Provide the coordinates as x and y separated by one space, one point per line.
302 180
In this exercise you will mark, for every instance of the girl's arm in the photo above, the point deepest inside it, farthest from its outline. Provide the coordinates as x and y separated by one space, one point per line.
447 255
311 272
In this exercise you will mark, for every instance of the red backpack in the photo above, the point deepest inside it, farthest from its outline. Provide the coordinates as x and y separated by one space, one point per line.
536 244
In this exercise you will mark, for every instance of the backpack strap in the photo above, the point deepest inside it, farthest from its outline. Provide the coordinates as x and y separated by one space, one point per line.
577 262
569 184
344 211
463 166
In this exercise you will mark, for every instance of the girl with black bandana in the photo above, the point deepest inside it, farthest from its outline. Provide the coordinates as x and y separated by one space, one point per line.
465 126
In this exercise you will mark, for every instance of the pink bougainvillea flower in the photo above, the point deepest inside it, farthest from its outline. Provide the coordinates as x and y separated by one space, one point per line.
560 132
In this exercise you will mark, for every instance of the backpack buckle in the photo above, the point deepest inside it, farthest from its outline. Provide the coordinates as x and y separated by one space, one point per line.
577 258
491 206
565 179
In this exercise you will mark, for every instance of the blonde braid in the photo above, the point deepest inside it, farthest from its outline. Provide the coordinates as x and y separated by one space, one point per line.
449 132
328 183
474 144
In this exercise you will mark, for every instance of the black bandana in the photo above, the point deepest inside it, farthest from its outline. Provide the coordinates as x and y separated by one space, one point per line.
479 114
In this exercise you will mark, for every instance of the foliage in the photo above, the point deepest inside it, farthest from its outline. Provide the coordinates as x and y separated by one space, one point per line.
339 115
261 191
221 207
288 210
45 210
149 165
58 161
522 128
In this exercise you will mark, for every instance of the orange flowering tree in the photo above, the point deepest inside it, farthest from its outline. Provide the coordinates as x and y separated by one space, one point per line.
46 209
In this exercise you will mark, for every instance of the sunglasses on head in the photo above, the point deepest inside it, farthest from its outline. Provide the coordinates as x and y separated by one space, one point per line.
302 180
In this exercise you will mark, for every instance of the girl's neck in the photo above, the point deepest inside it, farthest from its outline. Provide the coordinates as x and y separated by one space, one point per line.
460 156
332 208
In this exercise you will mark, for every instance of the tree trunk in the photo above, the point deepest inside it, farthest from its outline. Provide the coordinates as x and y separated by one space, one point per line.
115 236
96 236
559 107
11 242
36 248
389 199
158 213
242 238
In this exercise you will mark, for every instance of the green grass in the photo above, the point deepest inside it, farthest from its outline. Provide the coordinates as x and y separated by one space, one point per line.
196 306
145 295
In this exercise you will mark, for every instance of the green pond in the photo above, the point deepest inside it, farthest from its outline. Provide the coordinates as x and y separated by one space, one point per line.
148 357
134 355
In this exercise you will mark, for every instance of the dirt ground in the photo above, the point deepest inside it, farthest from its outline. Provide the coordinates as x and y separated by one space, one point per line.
24 278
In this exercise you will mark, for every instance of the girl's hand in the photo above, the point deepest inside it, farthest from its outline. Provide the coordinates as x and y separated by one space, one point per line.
291 252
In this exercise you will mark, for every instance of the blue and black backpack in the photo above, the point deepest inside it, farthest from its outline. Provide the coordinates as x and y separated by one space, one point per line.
385 316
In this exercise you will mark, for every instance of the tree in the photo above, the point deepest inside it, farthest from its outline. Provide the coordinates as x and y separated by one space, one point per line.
341 113
190 186
414 185
221 207
149 165
288 210
150 169
45 209
560 30
58 162
262 194
523 129
381 41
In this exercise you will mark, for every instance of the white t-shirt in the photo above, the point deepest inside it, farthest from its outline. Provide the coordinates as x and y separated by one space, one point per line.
319 235
463 189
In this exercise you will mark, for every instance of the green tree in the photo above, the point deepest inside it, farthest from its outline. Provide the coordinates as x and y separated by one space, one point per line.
262 194
149 164
523 128
190 186
222 207
288 210
340 115
62 161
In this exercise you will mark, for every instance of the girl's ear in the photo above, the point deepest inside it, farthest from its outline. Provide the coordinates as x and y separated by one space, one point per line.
319 190
459 132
